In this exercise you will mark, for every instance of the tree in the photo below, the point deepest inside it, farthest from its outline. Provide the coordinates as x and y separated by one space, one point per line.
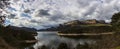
2 19
116 21
3 4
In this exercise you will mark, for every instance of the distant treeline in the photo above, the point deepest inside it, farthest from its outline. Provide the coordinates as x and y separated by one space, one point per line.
86 29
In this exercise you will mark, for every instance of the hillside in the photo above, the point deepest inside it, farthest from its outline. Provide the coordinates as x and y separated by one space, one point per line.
86 26
14 39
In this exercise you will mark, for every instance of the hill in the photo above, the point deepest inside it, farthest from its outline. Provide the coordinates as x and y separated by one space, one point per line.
84 26
14 37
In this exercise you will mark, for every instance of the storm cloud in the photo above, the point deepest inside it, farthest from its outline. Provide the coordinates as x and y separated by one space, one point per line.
46 13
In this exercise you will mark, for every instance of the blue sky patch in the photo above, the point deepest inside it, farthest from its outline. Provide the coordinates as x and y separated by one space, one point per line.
25 15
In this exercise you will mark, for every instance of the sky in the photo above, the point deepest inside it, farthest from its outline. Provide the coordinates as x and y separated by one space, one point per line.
41 14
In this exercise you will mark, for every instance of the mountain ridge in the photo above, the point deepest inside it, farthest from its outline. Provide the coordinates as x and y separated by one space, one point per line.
74 23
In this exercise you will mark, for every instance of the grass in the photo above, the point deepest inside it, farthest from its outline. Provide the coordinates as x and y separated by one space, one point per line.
117 47
96 25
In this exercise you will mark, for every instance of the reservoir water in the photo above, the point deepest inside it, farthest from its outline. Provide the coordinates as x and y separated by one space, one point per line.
52 40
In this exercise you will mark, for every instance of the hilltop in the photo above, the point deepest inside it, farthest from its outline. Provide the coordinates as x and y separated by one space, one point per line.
85 22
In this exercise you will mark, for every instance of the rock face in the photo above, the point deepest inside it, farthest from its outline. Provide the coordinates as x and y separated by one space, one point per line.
93 21
77 22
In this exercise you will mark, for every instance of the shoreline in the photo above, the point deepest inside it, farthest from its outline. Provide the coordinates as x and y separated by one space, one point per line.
85 34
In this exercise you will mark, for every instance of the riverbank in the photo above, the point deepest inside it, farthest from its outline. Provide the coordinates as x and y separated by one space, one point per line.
85 34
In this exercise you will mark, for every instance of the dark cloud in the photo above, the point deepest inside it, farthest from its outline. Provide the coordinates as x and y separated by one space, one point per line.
57 17
27 11
34 21
44 12
11 16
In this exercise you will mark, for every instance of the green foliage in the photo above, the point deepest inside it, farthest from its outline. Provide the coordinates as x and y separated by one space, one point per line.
96 25
87 29
117 47
116 21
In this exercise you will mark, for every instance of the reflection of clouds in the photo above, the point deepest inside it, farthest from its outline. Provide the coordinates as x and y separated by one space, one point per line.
50 39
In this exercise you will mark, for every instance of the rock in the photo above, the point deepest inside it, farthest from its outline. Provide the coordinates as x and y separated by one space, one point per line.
74 22
92 21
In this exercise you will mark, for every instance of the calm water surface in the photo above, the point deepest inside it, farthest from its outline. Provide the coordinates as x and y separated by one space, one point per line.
52 40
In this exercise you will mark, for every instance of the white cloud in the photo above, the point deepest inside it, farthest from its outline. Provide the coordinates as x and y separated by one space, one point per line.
55 12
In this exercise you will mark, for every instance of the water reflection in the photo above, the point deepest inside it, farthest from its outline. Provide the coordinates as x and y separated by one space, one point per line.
50 40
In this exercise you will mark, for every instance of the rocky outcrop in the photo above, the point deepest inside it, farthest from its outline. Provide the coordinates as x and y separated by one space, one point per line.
83 22
75 22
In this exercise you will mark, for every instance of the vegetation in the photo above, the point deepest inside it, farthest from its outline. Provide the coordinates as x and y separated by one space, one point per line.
87 29
97 25
117 47
103 41
116 21
16 38
10 38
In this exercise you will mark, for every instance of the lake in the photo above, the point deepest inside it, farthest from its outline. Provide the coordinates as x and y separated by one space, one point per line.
51 40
